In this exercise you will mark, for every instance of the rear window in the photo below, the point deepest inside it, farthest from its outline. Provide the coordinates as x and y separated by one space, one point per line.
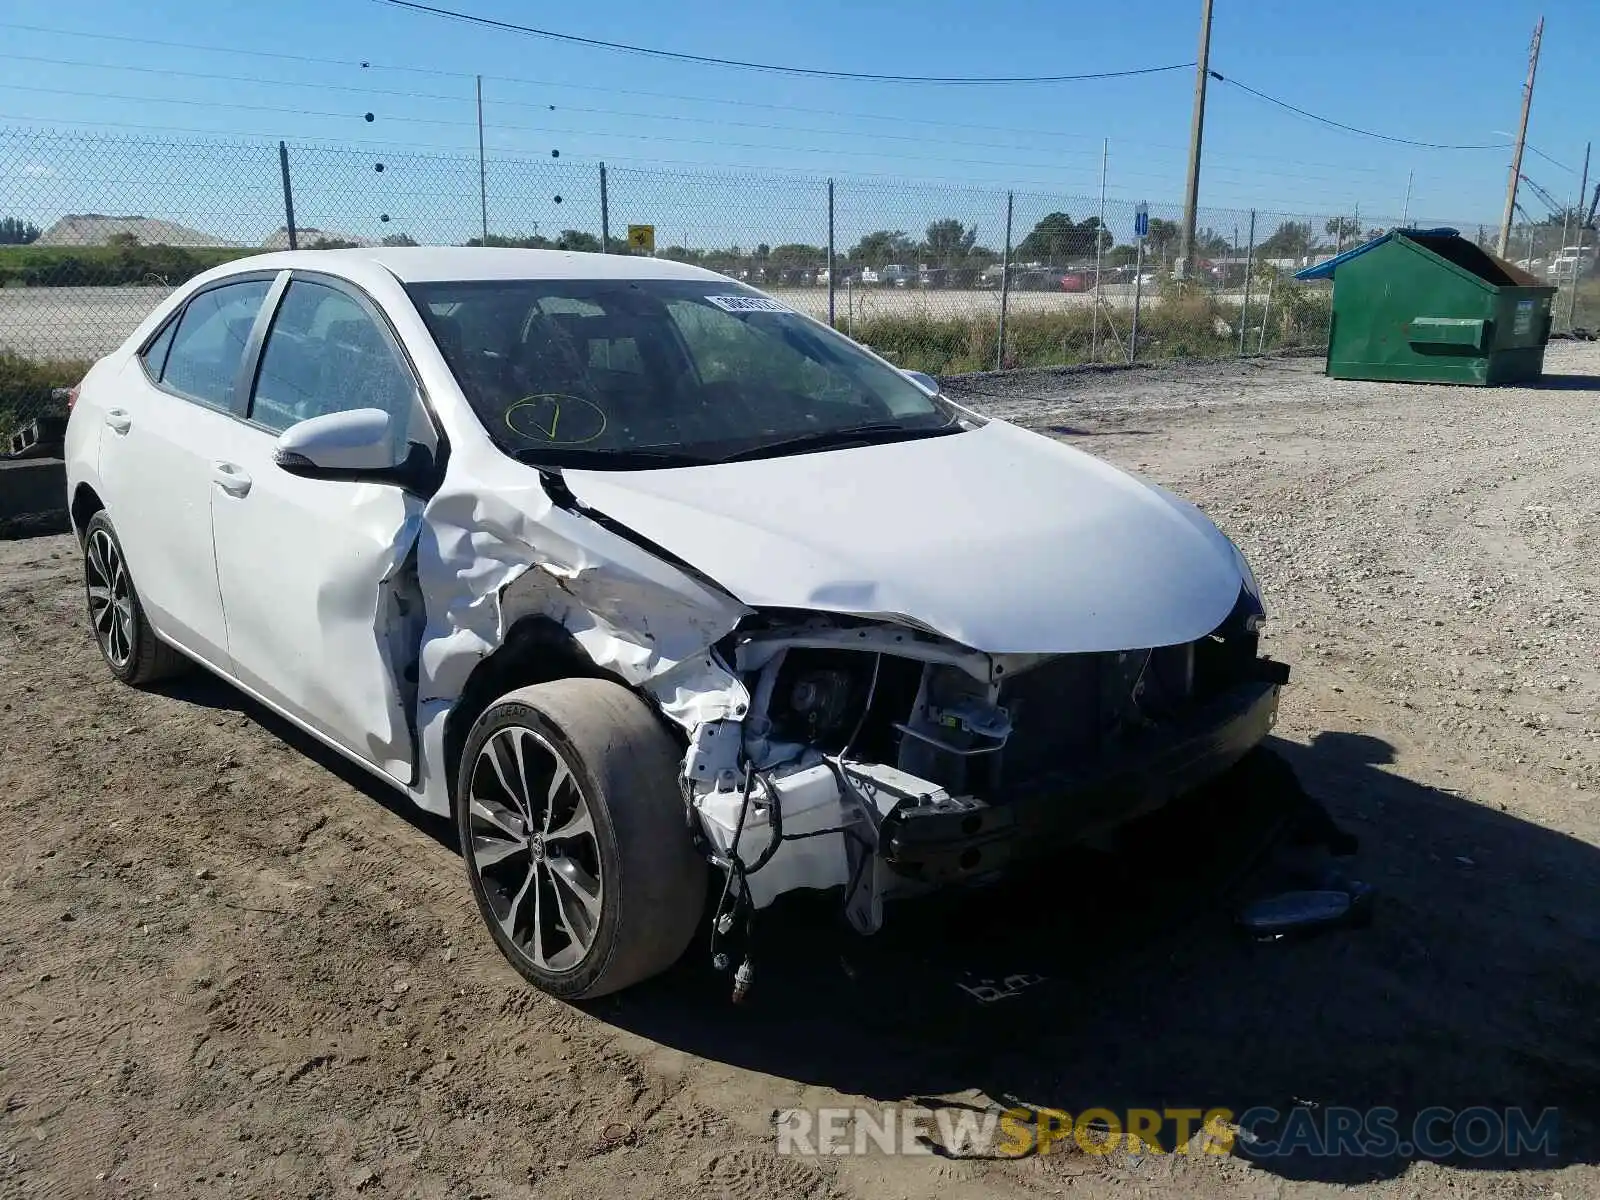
155 354
208 347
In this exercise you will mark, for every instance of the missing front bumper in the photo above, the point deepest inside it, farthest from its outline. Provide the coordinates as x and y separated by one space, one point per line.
958 837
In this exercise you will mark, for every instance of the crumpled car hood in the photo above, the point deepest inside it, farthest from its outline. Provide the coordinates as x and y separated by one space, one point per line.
997 538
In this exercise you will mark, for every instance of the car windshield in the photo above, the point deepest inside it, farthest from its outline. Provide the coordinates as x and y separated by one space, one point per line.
632 373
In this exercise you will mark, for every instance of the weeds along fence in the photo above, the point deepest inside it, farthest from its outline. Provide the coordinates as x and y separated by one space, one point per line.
941 278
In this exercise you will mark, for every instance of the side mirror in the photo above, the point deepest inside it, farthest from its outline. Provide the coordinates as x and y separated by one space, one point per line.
924 381
341 445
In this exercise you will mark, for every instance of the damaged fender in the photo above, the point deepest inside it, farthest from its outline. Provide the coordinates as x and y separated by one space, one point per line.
495 547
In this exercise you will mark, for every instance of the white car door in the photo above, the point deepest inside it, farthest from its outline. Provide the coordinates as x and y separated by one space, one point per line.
170 404
323 620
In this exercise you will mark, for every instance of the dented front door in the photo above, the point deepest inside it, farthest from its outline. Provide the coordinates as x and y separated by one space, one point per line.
323 617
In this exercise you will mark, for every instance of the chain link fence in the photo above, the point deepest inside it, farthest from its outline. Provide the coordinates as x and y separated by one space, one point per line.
95 230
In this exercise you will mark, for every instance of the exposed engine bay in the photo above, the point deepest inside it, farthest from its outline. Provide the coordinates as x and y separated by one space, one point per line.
884 761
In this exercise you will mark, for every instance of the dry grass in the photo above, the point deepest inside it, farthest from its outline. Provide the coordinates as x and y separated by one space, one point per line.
1196 325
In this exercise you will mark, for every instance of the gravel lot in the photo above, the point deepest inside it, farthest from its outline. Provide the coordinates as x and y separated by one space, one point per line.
230 966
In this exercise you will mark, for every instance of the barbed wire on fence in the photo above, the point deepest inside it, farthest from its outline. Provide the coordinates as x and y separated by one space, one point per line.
95 230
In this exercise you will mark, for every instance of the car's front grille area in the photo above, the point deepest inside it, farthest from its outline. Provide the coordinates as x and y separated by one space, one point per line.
1073 710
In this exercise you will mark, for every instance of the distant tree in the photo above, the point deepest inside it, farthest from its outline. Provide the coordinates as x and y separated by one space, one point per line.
1343 230
1208 243
1121 256
327 243
726 261
123 241
682 254
576 239
883 247
1058 237
1162 240
518 243
399 239
14 231
1292 239
797 254
949 242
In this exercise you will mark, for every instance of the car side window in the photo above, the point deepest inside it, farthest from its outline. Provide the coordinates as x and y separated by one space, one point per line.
155 354
208 345
326 354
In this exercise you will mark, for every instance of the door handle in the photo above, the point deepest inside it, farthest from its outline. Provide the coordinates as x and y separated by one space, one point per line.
119 420
230 478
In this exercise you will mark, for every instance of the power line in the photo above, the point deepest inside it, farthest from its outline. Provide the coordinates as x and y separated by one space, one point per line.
1329 121
654 137
45 124
257 79
524 81
303 58
1215 164
1548 159
272 108
775 68
1055 192
707 170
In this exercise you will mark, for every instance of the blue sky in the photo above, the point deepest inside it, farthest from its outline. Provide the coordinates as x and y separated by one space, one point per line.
1448 72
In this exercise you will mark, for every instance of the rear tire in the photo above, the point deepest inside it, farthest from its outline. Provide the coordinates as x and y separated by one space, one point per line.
575 838
121 629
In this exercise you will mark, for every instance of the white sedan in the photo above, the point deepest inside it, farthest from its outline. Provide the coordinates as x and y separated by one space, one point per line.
665 592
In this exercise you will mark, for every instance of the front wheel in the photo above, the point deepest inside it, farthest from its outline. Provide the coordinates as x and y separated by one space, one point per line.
574 834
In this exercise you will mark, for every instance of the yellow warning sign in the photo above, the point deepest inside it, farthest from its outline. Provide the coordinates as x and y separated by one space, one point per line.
642 237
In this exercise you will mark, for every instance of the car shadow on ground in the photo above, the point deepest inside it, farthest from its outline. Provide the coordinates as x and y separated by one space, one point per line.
1123 982
202 688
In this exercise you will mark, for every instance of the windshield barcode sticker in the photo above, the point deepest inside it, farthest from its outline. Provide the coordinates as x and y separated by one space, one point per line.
747 304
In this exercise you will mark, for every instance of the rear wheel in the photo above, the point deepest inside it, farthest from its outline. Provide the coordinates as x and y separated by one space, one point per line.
122 631
575 840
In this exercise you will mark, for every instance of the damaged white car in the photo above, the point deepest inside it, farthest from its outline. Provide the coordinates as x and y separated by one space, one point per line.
674 598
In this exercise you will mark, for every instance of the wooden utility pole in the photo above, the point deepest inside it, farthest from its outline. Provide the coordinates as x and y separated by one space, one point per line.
1191 199
1522 138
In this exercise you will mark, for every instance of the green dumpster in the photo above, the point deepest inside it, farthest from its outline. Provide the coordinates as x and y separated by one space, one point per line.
1429 306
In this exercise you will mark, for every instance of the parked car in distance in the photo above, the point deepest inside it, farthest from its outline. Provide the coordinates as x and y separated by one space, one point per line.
1037 280
898 274
1571 261
660 590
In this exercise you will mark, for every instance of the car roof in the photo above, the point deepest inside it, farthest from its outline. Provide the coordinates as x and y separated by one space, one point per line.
425 264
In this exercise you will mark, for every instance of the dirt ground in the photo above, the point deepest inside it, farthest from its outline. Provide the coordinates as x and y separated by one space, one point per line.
232 966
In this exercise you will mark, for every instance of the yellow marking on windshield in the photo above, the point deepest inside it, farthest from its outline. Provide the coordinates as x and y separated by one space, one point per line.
538 418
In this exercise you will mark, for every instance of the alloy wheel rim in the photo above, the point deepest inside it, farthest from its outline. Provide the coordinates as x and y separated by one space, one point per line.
110 598
534 848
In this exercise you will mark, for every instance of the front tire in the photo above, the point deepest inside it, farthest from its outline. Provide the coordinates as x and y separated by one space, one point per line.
121 629
575 840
